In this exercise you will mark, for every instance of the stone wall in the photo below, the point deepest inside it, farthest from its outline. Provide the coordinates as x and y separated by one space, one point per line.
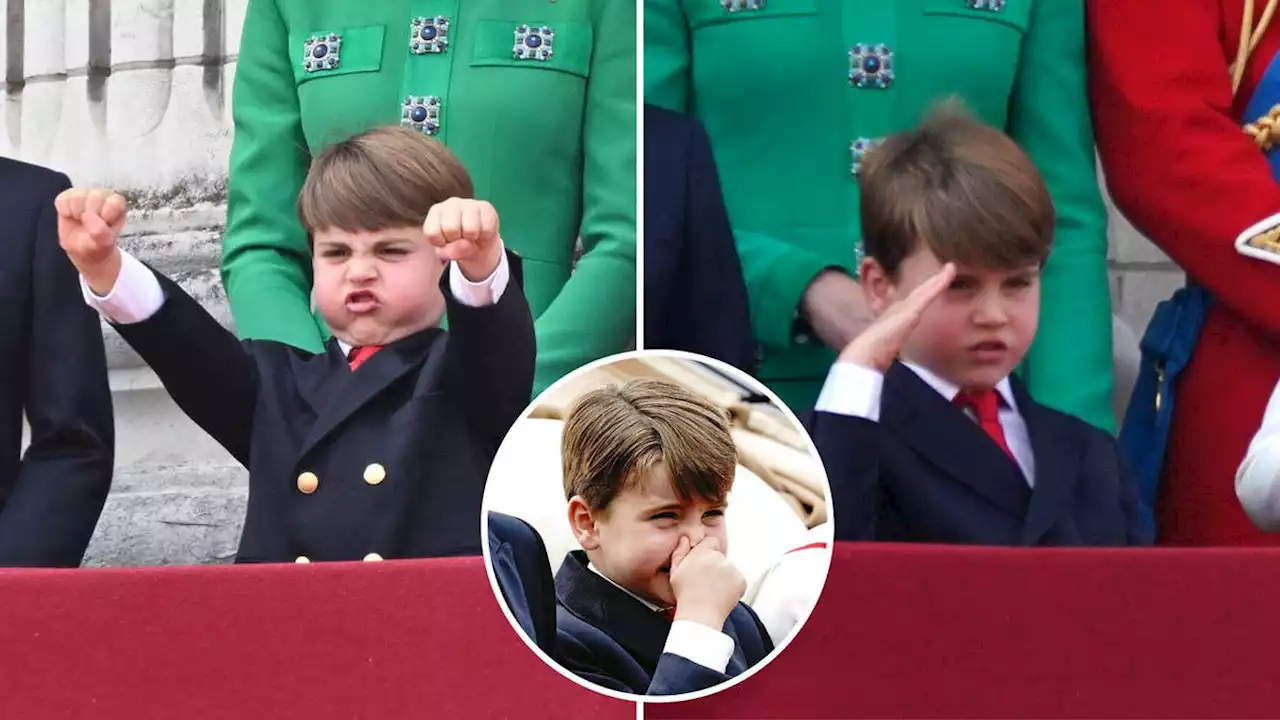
135 94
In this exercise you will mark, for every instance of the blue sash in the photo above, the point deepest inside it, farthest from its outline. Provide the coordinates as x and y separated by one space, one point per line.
1167 347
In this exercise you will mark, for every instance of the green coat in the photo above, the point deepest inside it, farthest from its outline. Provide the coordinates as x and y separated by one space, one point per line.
551 143
772 88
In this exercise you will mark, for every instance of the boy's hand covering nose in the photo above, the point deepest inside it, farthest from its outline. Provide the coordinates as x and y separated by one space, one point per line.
706 585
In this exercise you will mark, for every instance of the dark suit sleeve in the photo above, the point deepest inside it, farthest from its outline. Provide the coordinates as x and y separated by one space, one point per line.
66 472
674 674
206 371
714 295
849 450
491 357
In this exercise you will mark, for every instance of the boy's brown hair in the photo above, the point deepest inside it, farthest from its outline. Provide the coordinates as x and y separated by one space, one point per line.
963 188
615 434
381 178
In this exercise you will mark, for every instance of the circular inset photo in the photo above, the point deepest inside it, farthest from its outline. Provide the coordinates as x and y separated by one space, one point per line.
657 525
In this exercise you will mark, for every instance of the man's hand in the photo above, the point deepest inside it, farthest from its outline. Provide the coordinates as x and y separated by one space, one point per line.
878 346
706 585
466 232
89 223
835 308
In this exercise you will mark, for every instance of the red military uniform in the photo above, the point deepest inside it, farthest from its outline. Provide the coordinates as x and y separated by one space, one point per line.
1180 167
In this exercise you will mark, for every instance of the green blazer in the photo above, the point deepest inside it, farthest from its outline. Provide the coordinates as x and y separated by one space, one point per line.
550 141
773 87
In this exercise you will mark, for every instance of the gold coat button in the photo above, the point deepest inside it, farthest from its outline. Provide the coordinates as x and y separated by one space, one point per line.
308 482
375 474
373 557
303 560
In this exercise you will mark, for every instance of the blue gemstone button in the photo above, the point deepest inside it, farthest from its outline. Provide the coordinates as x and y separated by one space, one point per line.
320 51
419 114
871 64
428 32
533 41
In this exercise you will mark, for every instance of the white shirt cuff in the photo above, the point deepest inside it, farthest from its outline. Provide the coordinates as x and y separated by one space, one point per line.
700 644
485 292
1258 479
851 390
136 296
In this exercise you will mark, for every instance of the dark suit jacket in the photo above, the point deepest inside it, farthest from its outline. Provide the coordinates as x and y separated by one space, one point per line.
431 409
609 638
519 561
927 473
52 366
694 295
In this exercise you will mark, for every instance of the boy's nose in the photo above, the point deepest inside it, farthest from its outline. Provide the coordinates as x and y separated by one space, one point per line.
990 310
359 269
695 534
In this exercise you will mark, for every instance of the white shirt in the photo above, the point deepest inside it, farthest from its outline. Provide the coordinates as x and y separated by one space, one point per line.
137 294
1258 478
692 641
854 391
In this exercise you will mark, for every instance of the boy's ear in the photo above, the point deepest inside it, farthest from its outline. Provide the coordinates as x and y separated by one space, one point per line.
877 287
583 524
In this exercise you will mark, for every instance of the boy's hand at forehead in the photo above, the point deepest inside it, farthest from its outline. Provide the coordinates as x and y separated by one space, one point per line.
879 345
466 232
706 585
89 223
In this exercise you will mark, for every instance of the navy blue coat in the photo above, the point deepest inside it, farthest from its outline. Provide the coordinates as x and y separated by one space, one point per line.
694 295
927 473
53 368
519 561
609 638
430 409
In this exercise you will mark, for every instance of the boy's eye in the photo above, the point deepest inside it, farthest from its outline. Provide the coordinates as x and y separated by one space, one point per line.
714 513
669 515
394 252
962 284
335 252
1019 282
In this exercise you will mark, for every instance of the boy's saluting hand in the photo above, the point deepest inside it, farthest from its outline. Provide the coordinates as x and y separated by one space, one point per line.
89 222
878 346
706 585
466 232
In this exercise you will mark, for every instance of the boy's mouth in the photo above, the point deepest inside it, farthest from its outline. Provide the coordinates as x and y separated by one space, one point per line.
361 301
989 350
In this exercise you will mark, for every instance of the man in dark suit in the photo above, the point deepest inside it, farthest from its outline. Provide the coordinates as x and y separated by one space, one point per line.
945 445
53 368
694 295
378 447
518 558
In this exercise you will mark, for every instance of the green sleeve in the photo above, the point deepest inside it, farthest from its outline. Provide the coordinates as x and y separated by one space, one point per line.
1070 364
266 265
776 273
594 314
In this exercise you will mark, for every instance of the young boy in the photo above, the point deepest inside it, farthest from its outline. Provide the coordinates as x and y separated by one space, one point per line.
380 446
944 444
650 603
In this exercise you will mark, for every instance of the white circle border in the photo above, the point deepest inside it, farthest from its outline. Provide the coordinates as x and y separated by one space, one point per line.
741 377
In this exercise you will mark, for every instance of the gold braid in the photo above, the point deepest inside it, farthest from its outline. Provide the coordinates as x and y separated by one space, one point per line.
1265 131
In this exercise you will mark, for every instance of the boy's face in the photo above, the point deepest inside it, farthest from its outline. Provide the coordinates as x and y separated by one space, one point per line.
631 541
977 331
373 288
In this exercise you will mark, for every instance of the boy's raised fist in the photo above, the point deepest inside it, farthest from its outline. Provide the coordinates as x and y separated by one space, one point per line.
89 221
465 231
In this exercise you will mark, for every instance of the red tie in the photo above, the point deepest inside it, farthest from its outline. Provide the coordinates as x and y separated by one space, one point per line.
359 355
668 614
986 405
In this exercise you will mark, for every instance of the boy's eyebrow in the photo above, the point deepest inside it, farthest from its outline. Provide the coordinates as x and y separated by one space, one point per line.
663 508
